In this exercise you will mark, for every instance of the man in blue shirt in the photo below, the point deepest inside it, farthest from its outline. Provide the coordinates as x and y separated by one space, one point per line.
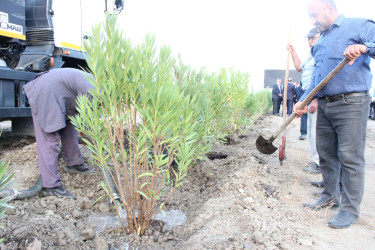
343 107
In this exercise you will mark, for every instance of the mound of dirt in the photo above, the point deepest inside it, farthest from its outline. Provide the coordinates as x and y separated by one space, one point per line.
246 200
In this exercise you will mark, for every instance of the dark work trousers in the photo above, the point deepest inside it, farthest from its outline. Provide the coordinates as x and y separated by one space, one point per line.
289 105
304 124
276 105
341 137
47 145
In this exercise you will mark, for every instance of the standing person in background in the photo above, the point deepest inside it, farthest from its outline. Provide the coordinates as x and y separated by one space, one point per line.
52 97
299 91
343 107
277 96
303 124
290 95
308 121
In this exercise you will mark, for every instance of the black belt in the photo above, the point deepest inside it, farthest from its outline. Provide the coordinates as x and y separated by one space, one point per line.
339 97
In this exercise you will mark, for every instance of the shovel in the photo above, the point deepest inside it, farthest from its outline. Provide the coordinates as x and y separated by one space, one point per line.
265 146
285 101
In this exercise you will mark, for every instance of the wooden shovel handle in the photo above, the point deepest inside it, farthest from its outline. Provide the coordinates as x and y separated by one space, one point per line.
311 96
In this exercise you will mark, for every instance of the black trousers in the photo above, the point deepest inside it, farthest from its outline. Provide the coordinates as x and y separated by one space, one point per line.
276 105
289 105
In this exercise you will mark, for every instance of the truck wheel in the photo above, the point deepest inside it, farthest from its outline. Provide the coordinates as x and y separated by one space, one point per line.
372 112
23 126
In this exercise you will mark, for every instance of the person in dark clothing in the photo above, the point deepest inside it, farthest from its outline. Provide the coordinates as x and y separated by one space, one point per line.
277 96
290 95
299 91
52 97
303 126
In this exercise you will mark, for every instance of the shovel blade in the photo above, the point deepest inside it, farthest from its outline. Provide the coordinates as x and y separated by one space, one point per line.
265 146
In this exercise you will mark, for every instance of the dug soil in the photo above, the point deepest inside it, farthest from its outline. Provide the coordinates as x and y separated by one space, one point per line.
247 200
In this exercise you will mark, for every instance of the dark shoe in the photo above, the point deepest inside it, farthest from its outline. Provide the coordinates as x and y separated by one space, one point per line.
79 169
319 193
313 169
322 203
302 137
318 184
343 220
57 191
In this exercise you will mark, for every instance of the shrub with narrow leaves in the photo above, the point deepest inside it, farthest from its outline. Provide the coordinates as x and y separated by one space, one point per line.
5 182
229 91
193 83
259 103
140 124
221 100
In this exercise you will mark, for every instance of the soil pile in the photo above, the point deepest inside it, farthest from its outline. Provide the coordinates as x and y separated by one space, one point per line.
244 201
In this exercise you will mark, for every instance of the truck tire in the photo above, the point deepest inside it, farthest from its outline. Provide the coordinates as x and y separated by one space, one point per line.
23 126
372 111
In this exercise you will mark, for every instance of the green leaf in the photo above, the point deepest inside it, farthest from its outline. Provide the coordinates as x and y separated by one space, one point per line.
145 174
143 194
144 184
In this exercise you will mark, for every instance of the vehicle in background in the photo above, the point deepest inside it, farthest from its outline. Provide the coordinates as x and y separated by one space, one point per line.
39 35
372 104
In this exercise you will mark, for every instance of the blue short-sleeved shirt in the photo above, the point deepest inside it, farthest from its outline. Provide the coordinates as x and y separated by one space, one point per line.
308 67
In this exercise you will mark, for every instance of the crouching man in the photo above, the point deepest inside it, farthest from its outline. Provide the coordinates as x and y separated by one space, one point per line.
52 98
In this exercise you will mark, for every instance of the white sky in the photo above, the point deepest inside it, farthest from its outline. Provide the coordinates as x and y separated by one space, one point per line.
249 36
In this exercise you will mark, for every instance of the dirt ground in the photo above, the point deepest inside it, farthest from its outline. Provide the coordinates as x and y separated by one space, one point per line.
245 201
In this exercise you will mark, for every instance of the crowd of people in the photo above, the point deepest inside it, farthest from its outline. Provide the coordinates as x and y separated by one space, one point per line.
336 119
294 92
